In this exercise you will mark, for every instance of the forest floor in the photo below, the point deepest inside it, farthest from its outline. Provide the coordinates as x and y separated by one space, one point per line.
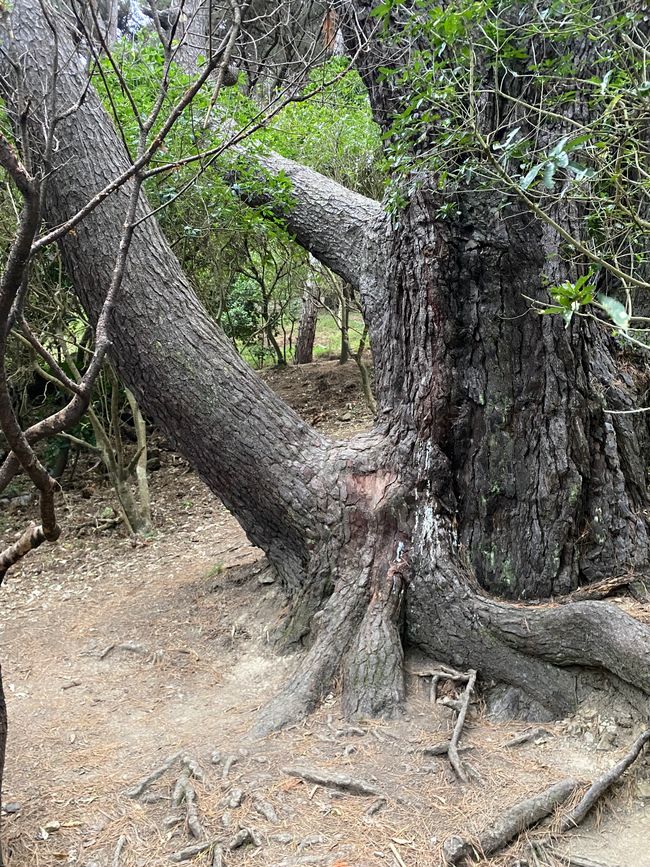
117 655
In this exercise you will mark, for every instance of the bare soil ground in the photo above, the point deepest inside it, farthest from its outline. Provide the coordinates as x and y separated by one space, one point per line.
116 656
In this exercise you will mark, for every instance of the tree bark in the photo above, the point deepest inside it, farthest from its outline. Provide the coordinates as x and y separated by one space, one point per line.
491 456
242 439
304 353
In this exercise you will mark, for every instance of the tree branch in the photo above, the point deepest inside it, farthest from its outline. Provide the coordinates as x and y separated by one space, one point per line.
340 228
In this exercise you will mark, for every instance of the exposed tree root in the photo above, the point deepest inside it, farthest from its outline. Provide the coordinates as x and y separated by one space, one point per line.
512 822
537 648
117 854
526 737
189 852
140 787
603 783
461 706
334 781
373 670
316 671
193 824
529 812
451 747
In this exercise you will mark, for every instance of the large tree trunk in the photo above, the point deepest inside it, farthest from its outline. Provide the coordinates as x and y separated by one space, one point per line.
491 455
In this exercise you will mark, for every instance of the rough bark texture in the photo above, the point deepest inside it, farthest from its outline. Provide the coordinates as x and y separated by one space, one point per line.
224 419
304 352
344 230
491 455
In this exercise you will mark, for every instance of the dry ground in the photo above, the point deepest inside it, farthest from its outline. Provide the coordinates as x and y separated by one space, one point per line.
115 657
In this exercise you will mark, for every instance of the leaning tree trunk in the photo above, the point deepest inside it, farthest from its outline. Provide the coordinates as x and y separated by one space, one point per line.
491 455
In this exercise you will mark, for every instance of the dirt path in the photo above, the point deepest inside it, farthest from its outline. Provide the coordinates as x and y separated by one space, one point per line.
115 657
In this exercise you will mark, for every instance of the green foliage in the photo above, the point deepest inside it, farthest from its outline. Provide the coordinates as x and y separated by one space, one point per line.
570 297
546 105
245 267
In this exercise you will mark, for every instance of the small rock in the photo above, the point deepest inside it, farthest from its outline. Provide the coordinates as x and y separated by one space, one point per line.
52 825
226 820
13 807
234 798
266 578
643 789
281 838
312 840
215 758
347 416
240 839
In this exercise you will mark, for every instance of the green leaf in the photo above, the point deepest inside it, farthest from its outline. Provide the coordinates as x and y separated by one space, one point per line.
560 146
605 81
549 174
615 310
528 179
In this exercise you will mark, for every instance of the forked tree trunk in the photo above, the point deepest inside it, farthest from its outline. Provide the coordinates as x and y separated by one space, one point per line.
491 456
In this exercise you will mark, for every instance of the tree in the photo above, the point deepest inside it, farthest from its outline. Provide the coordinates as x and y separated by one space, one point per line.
494 460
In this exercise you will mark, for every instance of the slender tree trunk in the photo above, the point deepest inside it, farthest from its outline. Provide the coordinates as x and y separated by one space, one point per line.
344 298
304 353
142 480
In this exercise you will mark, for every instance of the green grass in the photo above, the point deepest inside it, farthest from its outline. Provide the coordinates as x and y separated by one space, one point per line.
327 343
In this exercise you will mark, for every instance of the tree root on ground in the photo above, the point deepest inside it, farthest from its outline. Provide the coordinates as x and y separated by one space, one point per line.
121 843
509 824
140 787
603 783
529 812
334 781
460 705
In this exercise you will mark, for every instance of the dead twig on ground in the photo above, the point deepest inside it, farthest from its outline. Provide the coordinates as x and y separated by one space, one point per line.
527 736
599 589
